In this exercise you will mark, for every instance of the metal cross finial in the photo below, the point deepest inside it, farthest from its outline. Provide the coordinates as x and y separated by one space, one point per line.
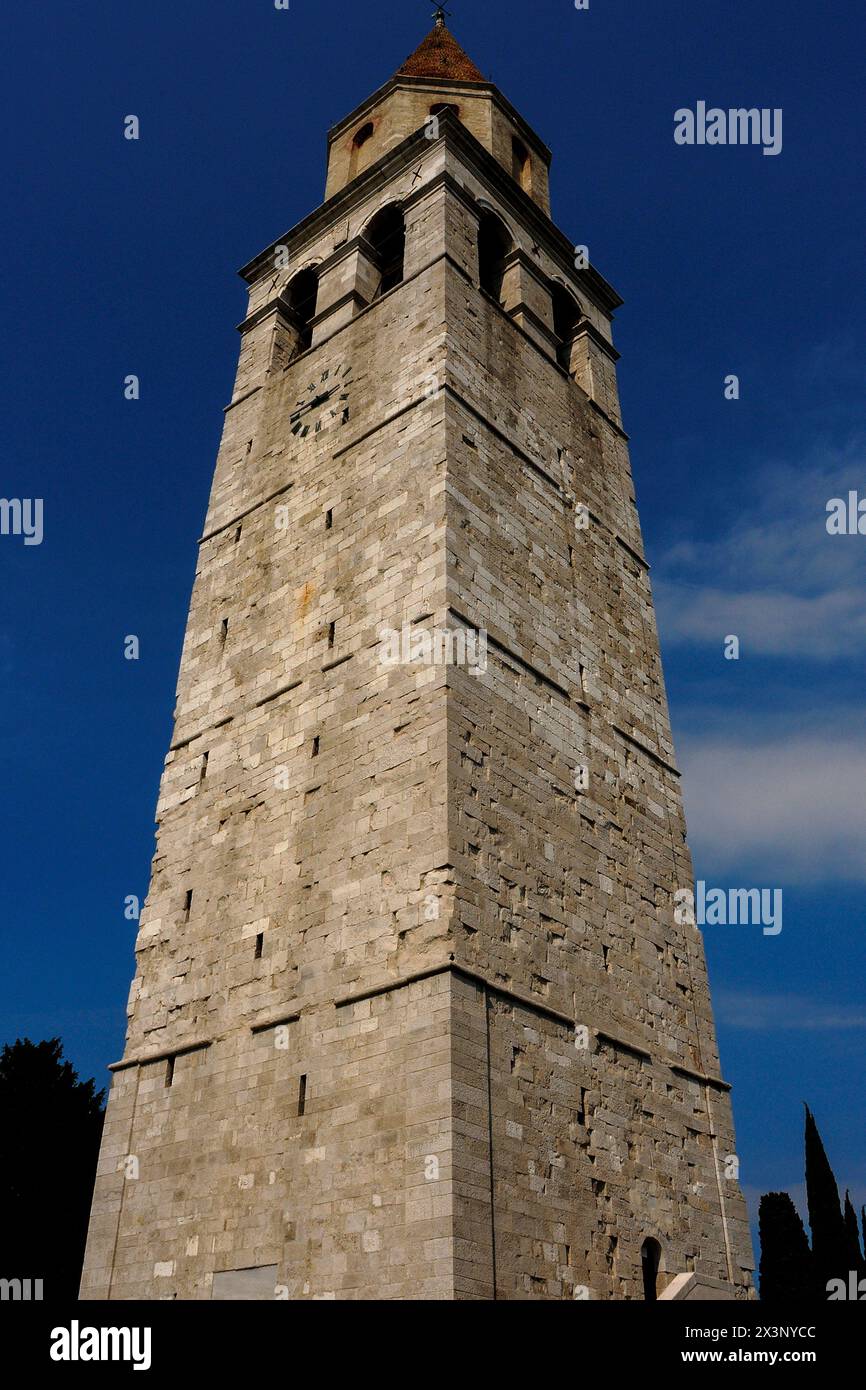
440 14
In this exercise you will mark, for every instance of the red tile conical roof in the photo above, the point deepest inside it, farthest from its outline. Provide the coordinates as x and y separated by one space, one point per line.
440 55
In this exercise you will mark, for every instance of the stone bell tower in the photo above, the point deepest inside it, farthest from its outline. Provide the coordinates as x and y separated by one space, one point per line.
412 1015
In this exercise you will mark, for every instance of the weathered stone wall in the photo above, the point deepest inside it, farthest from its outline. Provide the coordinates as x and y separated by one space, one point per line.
232 1177
565 885
311 876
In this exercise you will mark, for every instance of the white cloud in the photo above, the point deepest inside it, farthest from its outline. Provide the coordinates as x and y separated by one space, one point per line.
780 810
823 627
775 1012
775 577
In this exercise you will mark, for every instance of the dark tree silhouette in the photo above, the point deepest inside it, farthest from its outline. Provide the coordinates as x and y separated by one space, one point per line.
854 1254
829 1237
50 1127
787 1273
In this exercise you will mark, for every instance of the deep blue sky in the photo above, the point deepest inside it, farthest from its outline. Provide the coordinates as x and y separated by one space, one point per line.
120 257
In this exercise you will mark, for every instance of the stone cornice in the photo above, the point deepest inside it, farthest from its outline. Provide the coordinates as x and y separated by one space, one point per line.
350 297
178 1049
586 329
345 248
518 256
700 1077
538 324
277 305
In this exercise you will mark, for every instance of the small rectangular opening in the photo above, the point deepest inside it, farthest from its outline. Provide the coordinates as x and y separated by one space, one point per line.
203 773
238 534
315 752
187 904
169 1071
224 630
260 941
329 519
332 632
302 1094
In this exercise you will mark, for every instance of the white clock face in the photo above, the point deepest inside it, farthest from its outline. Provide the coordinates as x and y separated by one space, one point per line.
324 403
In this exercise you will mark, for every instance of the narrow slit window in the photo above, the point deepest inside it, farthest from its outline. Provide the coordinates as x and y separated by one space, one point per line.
187 904
203 772
224 631
169 1071
260 941
315 752
650 1258
329 519
332 633
302 1095
521 164
359 140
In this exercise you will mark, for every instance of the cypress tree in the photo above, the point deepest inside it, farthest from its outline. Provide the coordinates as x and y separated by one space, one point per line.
787 1272
854 1254
50 1127
830 1248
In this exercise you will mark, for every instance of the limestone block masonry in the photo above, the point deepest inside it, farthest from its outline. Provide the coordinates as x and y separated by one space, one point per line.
412 1017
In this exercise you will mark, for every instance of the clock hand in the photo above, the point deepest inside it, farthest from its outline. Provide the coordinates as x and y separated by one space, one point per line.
319 400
